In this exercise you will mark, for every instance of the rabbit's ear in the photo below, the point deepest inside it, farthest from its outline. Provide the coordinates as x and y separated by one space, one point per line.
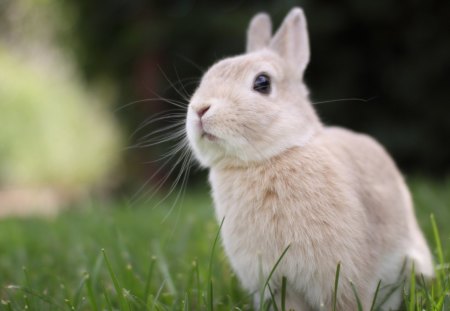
259 32
291 41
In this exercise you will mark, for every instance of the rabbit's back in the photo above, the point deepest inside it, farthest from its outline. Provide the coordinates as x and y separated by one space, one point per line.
375 178
383 192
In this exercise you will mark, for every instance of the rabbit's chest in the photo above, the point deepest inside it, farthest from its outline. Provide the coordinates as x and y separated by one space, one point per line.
253 205
261 218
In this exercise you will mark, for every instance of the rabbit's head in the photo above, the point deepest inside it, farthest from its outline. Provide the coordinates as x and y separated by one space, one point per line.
254 106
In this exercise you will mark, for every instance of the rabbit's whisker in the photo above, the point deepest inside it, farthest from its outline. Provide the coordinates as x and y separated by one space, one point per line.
365 100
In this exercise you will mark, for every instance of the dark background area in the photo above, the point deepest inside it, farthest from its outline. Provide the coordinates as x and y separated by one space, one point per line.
386 63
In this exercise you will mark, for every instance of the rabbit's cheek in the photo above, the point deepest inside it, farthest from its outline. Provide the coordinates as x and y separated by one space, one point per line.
193 128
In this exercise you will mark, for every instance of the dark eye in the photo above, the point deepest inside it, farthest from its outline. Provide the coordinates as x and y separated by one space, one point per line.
262 84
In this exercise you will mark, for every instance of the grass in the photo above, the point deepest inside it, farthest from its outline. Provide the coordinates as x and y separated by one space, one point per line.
110 256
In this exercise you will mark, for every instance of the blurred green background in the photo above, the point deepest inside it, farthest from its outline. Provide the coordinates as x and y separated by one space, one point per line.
78 78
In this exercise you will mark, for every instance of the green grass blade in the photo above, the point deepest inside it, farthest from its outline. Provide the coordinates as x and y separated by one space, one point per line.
186 302
358 301
391 289
50 301
437 240
412 290
69 304
283 293
108 301
336 284
158 294
199 291
77 296
439 271
164 269
374 300
440 304
261 298
28 285
211 296
90 293
148 279
119 291
211 258
97 268
273 299
429 300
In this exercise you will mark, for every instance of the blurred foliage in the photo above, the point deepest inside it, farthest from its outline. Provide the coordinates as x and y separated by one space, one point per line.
48 132
54 131
380 67
395 55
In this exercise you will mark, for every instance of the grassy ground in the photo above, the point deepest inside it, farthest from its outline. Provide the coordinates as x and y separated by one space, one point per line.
156 258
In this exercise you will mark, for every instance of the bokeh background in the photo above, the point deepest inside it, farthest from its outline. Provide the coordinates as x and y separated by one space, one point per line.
80 80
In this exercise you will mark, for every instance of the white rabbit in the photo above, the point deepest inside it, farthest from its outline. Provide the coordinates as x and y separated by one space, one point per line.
279 177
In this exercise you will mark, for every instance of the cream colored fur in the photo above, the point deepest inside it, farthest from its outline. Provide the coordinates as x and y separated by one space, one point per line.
279 177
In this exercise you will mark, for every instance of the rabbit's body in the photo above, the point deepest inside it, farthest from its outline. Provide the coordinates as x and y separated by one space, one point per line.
280 178
338 198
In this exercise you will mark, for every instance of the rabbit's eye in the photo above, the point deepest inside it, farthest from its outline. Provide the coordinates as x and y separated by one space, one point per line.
262 84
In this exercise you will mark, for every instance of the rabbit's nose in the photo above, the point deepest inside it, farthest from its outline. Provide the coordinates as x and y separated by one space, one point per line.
202 111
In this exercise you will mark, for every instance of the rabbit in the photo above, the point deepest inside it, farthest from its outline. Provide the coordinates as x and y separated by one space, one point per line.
280 178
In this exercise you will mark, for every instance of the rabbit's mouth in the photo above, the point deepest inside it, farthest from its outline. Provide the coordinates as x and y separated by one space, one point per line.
204 134
208 136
